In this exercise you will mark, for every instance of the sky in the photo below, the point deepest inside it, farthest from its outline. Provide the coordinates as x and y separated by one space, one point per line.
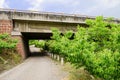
106 8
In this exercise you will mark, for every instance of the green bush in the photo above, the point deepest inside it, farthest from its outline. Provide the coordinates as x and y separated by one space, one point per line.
96 47
8 53
7 42
37 43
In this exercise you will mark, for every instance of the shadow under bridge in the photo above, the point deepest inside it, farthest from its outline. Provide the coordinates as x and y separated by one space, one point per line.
26 36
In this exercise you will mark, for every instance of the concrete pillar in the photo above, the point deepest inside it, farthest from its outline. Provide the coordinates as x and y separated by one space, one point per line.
62 61
58 57
55 56
26 47
22 46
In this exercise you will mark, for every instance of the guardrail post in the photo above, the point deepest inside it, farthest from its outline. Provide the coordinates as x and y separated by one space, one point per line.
58 57
55 56
62 61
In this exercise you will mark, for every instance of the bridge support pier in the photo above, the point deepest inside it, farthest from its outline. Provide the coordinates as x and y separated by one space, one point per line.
6 26
22 46
25 44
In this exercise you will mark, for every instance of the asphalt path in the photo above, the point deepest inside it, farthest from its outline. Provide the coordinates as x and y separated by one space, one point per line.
35 68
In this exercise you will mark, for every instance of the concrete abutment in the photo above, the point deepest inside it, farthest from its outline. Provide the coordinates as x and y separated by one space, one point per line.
6 26
22 46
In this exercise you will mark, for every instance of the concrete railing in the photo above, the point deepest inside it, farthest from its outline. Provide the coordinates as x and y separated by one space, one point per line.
47 16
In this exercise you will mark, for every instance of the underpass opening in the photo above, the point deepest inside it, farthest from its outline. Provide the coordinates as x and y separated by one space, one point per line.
36 36
37 47
30 36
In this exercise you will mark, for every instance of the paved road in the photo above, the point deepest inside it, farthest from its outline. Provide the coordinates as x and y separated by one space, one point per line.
35 68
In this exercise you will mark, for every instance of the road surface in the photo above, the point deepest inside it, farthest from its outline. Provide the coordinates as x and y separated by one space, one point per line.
35 68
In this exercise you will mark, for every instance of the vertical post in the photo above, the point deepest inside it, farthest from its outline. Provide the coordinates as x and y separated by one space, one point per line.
62 61
58 57
54 56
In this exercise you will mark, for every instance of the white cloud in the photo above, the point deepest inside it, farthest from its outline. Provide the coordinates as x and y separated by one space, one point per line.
35 4
40 4
108 3
87 7
3 4
102 5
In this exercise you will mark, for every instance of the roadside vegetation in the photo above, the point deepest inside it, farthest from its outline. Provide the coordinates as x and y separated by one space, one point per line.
8 54
96 48
38 44
93 53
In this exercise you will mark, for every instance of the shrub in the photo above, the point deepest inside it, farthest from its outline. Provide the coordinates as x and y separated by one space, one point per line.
7 42
96 47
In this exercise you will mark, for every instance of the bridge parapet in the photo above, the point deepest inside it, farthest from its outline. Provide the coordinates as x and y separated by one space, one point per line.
46 16
51 17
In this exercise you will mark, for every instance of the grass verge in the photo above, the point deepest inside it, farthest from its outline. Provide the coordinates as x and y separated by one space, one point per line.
9 59
77 74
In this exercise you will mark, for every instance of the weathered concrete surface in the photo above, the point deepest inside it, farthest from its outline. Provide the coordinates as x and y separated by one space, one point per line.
35 68
35 21
39 26
42 16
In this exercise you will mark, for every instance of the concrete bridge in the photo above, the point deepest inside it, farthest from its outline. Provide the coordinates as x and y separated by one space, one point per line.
27 25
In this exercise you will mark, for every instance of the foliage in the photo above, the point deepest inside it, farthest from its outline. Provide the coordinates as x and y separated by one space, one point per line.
7 42
8 53
37 43
96 47
8 59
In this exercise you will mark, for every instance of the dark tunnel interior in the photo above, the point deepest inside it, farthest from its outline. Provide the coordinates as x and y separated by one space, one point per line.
26 36
34 36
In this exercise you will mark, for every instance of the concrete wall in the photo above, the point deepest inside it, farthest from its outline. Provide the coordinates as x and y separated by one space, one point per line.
24 26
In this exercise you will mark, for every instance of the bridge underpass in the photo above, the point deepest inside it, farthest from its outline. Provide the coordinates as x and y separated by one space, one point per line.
26 36
35 68
32 25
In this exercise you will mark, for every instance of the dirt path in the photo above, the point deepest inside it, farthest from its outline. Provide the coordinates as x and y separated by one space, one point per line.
35 68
